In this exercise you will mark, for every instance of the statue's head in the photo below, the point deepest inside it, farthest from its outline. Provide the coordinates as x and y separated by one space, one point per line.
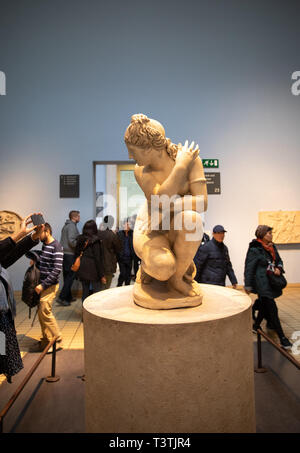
147 134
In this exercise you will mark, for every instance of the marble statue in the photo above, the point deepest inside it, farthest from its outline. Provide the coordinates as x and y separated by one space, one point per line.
168 228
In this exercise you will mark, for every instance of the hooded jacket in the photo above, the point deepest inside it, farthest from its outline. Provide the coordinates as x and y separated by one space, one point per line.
255 273
111 248
69 234
92 260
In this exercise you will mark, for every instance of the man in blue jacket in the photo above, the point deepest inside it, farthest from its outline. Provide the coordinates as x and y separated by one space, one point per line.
213 263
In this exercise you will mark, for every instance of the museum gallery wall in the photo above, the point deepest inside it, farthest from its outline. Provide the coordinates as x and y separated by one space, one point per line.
221 77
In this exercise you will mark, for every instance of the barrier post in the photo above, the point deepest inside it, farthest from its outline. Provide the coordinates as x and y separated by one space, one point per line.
259 368
53 378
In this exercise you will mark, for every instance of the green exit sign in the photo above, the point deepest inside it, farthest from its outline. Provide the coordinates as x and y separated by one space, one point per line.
210 163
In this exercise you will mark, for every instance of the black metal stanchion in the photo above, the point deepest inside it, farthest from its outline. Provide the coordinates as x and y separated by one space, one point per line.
259 368
53 378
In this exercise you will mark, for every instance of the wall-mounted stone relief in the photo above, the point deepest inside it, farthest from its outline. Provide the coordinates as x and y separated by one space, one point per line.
285 224
10 223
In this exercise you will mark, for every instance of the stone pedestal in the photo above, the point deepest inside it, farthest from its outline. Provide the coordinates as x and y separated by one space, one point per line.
187 370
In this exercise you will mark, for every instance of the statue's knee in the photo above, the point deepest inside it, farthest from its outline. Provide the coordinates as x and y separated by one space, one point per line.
161 264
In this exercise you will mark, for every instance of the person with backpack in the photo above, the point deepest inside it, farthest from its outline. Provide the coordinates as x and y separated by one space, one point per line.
91 271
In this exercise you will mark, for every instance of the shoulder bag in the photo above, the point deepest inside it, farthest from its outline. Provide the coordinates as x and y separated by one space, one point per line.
76 265
276 281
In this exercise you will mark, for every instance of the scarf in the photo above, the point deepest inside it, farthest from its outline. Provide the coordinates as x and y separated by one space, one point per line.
269 248
7 300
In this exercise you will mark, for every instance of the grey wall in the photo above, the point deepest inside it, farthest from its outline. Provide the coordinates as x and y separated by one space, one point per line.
218 72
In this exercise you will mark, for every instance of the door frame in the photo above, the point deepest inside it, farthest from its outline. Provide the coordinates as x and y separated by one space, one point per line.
128 163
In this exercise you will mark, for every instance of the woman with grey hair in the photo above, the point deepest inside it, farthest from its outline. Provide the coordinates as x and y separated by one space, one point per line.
262 260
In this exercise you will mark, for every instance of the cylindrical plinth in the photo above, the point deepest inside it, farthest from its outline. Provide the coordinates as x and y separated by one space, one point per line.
166 371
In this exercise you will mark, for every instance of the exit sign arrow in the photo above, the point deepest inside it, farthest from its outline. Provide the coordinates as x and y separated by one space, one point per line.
210 163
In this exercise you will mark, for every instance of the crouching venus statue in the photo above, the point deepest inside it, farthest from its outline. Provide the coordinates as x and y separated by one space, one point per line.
168 228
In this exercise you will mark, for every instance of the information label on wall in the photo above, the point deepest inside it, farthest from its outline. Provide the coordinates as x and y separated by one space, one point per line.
69 186
213 182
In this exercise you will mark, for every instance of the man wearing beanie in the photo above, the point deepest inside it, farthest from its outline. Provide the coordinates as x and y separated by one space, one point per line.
262 230
262 255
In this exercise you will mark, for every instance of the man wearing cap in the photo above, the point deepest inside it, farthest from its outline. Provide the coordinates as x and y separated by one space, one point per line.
262 258
213 264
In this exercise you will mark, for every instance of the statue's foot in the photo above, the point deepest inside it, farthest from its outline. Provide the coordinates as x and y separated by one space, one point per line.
187 289
196 288
190 273
142 276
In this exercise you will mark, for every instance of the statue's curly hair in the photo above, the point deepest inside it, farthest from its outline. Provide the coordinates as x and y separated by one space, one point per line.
144 133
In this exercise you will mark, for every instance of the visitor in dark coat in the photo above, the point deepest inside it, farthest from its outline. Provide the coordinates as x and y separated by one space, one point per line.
213 262
205 239
136 259
260 254
111 247
125 257
91 271
11 249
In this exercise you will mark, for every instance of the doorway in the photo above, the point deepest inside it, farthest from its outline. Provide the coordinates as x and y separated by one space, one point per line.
116 192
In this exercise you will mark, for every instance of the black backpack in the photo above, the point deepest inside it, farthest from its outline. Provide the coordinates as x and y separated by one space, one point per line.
31 280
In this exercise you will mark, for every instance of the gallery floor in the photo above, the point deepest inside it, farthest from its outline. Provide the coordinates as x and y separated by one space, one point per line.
59 407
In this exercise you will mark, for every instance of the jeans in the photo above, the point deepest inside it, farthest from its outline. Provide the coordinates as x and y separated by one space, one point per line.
125 272
69 276
47 319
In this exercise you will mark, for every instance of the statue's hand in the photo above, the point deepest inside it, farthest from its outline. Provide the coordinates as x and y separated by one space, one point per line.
187 154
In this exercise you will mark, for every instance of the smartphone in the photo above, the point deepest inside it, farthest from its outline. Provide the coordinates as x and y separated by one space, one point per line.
37 219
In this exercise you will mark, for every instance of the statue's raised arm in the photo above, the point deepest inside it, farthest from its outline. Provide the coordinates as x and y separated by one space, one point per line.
168 229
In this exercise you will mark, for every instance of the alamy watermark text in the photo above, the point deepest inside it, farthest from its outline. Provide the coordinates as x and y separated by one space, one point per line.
2 83
295 88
